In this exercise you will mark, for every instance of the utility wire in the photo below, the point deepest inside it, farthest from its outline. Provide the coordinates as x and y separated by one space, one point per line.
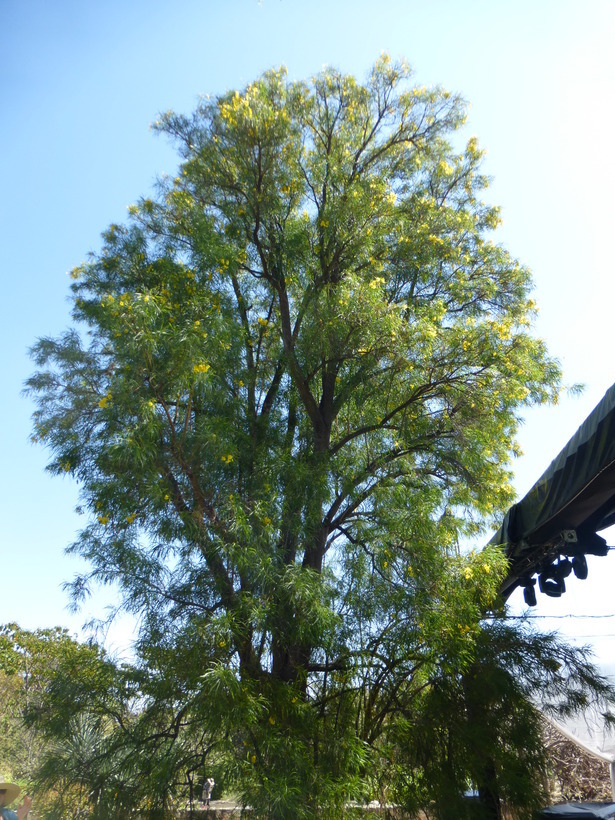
549 617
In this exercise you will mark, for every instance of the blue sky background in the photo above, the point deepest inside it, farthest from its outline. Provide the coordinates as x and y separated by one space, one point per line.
80 82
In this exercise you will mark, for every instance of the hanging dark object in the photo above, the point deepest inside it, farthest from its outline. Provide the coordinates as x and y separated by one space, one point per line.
551 530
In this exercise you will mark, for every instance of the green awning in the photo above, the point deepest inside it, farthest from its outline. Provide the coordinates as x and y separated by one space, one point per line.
575 497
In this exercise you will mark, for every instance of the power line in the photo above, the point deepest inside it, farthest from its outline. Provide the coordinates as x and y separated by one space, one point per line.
569 616
551 617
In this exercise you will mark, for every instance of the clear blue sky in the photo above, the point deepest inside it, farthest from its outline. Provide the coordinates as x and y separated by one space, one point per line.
81 81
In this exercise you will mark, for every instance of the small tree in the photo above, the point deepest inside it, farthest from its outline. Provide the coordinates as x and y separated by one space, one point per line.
293 384
32 666
483 728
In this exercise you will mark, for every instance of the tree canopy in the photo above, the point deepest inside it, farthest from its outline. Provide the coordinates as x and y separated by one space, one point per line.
292 388
32 668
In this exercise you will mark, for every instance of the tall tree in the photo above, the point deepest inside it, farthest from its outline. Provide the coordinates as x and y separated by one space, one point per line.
293 385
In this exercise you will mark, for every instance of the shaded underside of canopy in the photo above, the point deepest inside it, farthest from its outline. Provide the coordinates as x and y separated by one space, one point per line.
573 499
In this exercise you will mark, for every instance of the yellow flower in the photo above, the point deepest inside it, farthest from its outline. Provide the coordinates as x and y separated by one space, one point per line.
266 520
130 518
201 368
227 459
272 720
103 519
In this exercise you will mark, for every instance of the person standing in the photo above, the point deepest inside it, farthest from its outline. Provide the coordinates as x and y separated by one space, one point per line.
208 787
8 793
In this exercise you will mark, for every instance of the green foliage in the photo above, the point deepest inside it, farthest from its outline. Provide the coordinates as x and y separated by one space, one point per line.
482 728
293 385
48 677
